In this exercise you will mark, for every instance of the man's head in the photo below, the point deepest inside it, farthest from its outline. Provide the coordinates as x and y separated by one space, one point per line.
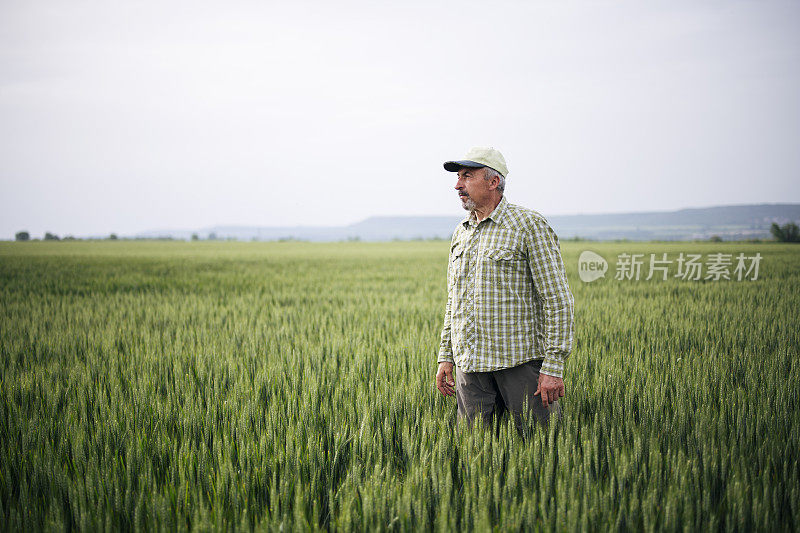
479 187
481 178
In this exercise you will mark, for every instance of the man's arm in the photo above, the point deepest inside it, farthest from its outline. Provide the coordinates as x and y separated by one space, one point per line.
444 374
550 282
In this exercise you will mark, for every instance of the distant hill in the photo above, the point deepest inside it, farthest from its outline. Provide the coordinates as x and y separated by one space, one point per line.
733 222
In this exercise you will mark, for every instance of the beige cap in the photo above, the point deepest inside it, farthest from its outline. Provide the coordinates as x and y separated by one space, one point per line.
480 156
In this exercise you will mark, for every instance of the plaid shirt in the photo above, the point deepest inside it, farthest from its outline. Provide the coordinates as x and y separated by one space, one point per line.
508 300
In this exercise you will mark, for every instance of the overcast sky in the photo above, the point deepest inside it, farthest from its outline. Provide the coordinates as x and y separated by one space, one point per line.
130 116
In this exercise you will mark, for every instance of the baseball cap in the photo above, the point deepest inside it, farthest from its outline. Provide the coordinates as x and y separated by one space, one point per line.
477 157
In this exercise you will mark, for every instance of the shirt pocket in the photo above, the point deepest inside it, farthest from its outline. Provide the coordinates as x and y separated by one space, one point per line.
503 266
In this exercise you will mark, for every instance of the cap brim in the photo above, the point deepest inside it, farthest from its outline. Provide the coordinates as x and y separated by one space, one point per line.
455 166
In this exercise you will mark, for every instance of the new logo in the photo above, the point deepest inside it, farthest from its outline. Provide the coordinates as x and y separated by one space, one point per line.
591 266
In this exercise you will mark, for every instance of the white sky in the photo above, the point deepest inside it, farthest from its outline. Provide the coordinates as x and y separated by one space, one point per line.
128 116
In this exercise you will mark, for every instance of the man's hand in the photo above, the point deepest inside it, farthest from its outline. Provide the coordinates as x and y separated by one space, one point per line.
550 388
444 379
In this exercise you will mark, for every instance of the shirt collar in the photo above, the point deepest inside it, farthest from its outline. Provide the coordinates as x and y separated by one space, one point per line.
497 215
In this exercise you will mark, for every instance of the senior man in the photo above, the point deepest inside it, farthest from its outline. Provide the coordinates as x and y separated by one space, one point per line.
508 323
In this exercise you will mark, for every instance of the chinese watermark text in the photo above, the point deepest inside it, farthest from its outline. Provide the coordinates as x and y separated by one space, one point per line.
685 266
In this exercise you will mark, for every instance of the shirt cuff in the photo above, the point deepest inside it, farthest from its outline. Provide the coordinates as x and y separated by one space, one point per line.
552 366
445 358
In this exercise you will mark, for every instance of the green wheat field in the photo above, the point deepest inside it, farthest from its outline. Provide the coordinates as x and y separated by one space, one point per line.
289 386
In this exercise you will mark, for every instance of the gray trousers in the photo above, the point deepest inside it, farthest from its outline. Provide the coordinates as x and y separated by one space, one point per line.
490 394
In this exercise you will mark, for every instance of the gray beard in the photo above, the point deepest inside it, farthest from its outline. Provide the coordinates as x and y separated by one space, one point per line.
468 204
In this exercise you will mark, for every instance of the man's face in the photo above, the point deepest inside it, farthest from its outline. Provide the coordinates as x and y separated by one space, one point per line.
472 188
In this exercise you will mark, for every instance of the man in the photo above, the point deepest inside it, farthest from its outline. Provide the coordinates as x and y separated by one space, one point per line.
508 323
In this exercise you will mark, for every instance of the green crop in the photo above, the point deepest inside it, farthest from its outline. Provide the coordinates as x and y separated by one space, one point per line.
290 385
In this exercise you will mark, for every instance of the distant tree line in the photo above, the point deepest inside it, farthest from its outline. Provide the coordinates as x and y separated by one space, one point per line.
23 236
787 233
26 236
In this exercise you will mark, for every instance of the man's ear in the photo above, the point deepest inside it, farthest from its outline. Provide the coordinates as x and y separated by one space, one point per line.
494 183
